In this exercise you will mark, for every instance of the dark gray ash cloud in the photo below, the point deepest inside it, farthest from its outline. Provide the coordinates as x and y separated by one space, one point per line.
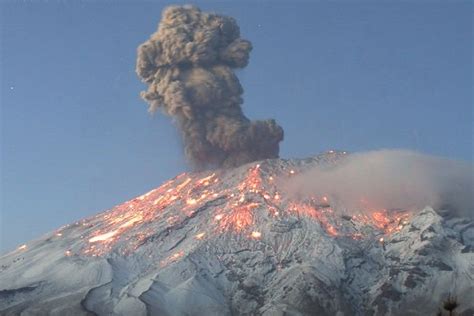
188 65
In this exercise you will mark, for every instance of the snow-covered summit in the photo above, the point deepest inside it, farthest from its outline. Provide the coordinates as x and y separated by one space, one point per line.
231 242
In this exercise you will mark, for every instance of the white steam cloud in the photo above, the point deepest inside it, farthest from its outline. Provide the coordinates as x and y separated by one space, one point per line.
391 179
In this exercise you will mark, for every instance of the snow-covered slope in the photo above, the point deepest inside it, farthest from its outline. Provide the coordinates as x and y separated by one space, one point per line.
228 242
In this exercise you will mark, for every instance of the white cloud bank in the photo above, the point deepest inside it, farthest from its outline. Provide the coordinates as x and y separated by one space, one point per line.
391 179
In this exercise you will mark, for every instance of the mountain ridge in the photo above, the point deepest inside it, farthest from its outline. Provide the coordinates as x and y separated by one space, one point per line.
230 242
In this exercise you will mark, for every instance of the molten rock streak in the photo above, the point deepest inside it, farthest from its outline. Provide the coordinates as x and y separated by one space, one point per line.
188 66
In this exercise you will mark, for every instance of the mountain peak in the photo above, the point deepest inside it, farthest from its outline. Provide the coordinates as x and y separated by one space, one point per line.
232 241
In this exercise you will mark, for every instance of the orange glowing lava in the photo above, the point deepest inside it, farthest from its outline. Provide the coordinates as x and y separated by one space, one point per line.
200 236
240 217
237 207
256 235
103 237
173 258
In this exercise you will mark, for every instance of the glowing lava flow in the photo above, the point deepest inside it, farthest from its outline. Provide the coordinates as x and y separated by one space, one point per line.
237 205
239 218
104 237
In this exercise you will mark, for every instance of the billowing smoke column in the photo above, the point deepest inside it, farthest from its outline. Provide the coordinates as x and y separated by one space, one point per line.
188 66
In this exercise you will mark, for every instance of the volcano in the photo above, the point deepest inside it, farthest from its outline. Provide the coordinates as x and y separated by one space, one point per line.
230 242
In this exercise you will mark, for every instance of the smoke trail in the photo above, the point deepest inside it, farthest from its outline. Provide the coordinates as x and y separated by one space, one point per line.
188 66
391 179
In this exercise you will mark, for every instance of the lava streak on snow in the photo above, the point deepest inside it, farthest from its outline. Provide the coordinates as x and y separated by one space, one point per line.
236 204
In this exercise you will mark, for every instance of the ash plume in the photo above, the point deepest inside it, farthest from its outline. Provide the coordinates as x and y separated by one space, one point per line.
391 179
188 65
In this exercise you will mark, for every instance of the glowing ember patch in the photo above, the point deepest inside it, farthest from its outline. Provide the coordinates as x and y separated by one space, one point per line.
240 218
271 178
191 201
381 239
103 236
182 185
256 235
325 198
266 196
206 180
177 255
59 234
277 196
173 258
331 230
131 222
200 236
22 247
218 217
157 201
68 253
172 220
292 171
381 220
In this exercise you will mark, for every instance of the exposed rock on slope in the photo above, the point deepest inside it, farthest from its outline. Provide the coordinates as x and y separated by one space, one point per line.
230 243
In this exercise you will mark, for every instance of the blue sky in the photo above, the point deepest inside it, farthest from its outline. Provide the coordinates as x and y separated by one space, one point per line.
76 137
